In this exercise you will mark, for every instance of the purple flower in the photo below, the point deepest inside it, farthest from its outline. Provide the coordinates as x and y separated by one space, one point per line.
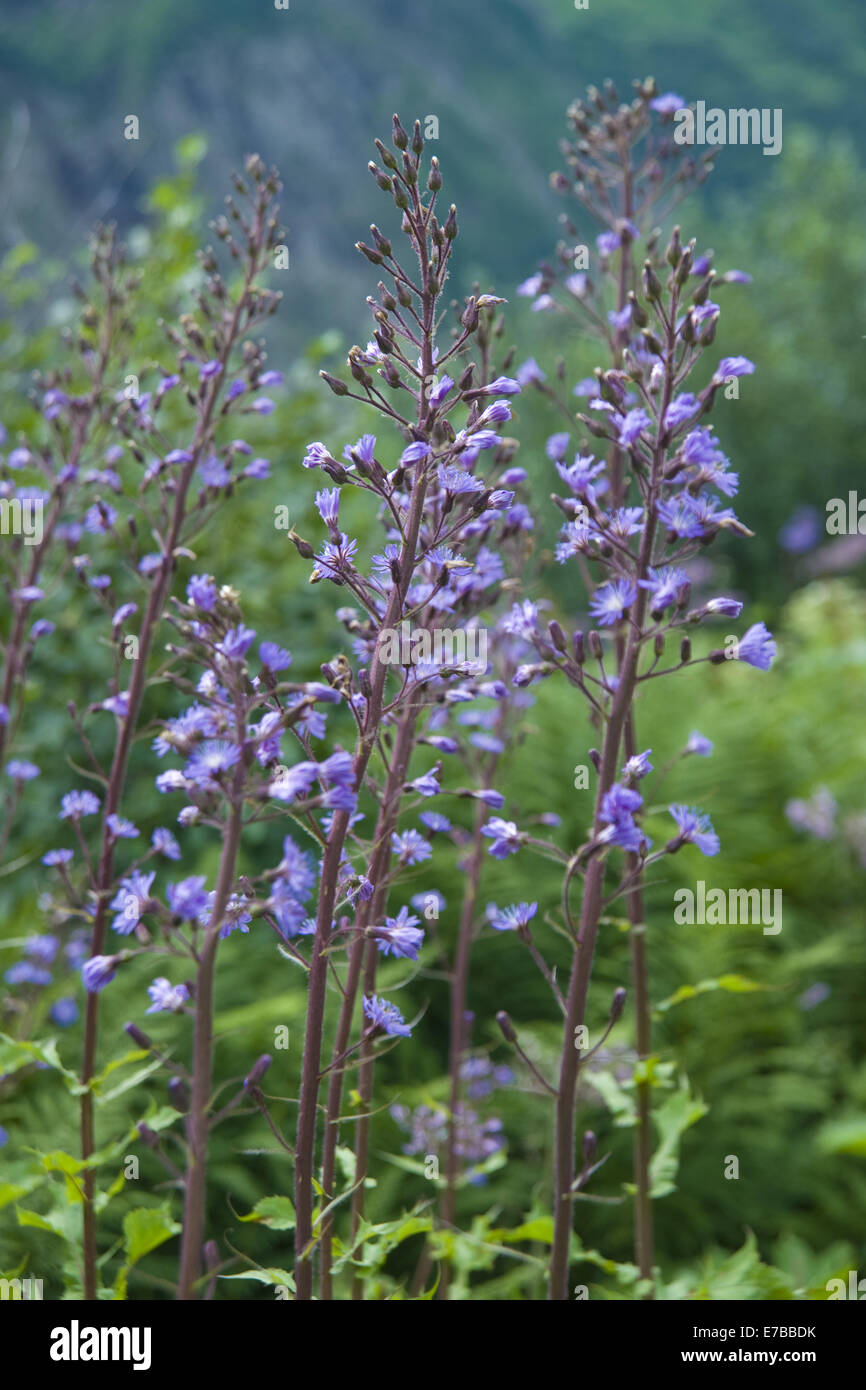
678 515
130 902
694 829
503 386
77 804
273 657
386 1017
413 452
316 455
410 847
42 948
668 103
457 481
98 518
298 779
64 1012
213 472
164 843
21 771
609 603
210 370
506 837
632 427
24 972
365 449
495 800
122 829
617 811
620 318
801 531
556 446
202 592
54 857
166 996
179 456
236 643
188 898
435 821
733 366
511 918
637 767
400 936
440 390
727 607
757 647
97 972
664 585
212 758
426 785
698 744
680 410
529 288
522 621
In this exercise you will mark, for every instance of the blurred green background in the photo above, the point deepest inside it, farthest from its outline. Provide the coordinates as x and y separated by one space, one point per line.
782 1068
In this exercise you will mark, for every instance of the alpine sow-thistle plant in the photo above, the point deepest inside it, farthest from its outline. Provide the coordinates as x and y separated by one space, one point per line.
639 503
342 770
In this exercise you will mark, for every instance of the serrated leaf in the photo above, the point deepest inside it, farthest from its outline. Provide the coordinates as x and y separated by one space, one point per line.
146 1228
278 1213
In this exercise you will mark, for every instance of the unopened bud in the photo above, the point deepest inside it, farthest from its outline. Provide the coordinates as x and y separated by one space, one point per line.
258 1071
139 1038
506 1026
338 387
557 636
178 1094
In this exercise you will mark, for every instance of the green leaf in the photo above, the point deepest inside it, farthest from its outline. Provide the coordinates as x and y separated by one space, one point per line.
733 984
677 1114
276 1212
146 1228
847 1136
14 1055
279 1277
540 1229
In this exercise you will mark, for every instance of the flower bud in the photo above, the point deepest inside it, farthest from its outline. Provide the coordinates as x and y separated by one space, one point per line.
258 1070
651 283
557 636
506 1026
338 387
178 1095
617 1004
139 1038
